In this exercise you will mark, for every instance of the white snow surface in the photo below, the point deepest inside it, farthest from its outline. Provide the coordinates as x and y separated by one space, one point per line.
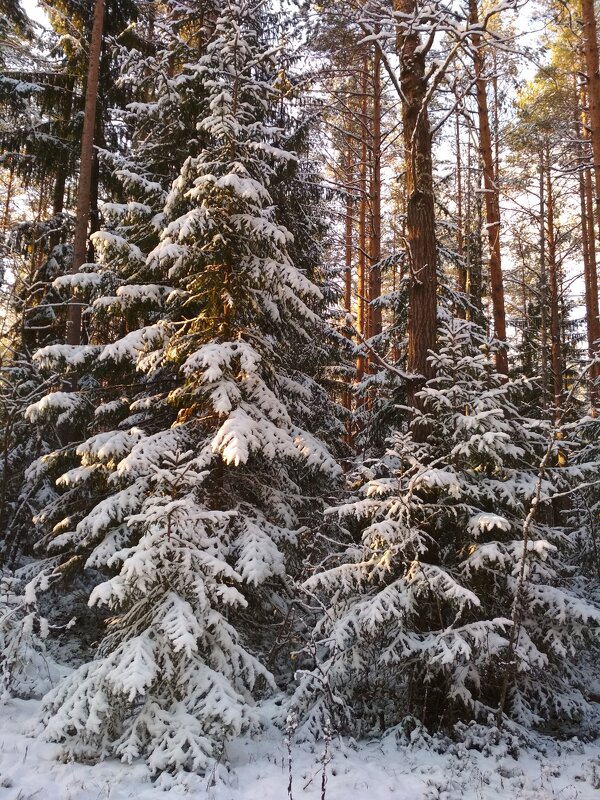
382 770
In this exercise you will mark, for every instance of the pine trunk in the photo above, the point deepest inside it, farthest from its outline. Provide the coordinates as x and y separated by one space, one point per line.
461 311
349 210
543 288
556 350
588 231
348 242
375 321
492 200
590 42
362 277
86 168
420 213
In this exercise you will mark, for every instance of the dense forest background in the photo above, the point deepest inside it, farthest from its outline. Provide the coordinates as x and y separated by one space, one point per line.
299 369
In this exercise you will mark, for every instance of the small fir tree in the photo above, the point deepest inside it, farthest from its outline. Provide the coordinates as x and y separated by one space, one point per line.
419 611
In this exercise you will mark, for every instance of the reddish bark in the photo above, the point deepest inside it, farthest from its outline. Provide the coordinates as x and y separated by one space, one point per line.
591 130
420 213
375 321
362 277
492 200
86 168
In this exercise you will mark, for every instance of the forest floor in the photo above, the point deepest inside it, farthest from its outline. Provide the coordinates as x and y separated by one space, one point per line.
382 770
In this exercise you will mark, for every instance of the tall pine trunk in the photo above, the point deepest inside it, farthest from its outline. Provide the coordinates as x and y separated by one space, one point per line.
590 43
543 288
375 321
492 200
348 178
461 311
86 169
590 264
555 337
420 211
362 274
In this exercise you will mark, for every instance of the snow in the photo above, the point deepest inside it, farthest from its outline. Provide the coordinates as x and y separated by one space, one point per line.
144 293
118 210
61 404
78 280
438 478
73 355
134 343
485 521
104 241
376 770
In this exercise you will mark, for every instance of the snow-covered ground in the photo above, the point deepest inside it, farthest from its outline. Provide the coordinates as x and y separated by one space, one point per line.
374 771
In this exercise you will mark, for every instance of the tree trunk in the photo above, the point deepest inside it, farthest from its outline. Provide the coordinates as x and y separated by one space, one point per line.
492 201
585 248
473 242
590 264
543 288
461 310
590 44
348 242
362 278
525 338
375 321
348 177
86 167
556 350
420 212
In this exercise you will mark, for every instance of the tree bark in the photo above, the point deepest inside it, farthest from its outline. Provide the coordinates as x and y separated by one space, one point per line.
492 200
528 350
473 242
555 337
543 288
86 167
590 46
420 212
588 231
362 277
348 177
375 320
348 242
461 310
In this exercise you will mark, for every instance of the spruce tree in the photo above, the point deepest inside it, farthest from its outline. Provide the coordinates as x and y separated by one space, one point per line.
419 614
204 517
